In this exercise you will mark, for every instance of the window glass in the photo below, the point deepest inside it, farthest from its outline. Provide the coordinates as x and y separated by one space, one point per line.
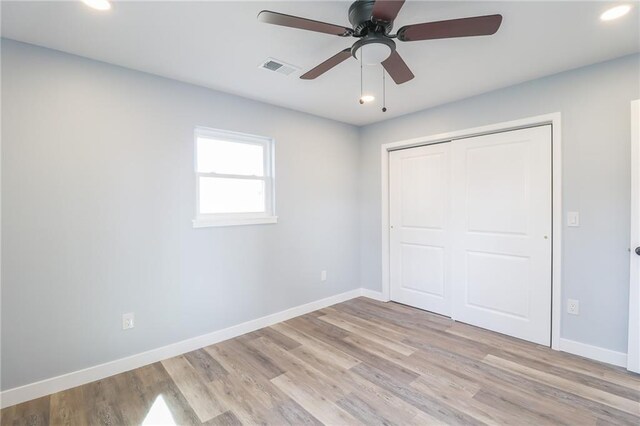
224 195
225 157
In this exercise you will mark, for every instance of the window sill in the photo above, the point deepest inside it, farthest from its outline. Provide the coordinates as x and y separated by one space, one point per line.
206 222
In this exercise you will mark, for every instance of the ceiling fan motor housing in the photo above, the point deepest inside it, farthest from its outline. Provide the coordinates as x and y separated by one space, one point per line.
360 13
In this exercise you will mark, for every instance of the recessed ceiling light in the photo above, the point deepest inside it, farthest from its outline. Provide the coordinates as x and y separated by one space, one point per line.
98 4
367 98
615 12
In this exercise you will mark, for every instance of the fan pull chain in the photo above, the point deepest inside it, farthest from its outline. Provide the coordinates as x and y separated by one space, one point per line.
384 91
361 84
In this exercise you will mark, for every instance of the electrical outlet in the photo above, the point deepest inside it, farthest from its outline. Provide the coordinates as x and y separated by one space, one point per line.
128 321
573 306
323 275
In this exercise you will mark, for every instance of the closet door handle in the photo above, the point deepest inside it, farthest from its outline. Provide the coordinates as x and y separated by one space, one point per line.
638 251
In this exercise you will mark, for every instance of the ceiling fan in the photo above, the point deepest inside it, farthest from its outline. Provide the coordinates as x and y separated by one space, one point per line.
372 22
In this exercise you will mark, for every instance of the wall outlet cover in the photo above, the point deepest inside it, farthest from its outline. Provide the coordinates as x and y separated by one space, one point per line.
128 321
573 306
323 275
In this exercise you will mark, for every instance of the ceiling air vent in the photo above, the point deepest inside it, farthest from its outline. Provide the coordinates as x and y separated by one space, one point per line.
278 66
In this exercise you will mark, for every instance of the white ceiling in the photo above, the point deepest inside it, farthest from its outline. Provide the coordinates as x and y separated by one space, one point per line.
220 45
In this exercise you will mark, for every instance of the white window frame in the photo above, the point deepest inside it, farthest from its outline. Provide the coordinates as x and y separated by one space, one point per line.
234 219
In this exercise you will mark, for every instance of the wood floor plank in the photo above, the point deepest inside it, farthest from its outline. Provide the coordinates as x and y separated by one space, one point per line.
156 383
442 340
401 411
295 414
377 349
419 400
278 338
335 355
583 379
394 333
233 395
194 389
319 360
312 401
207 367
68 407
403 313
474 382
478 370
252 358
225 419
101 401
32 413
330 387
409 322
366 352
260 386
459 397
131 398
357 362
368 414
369 335
531 351
523 409
597 395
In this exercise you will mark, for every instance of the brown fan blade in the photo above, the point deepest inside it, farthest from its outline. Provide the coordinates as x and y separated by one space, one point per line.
327 65
386 10
397 68
276 18
464 27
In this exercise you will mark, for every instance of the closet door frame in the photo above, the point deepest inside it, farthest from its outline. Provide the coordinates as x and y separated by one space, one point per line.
554 119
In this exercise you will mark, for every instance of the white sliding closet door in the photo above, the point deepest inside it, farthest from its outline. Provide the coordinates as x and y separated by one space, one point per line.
502 232
420 248
471 228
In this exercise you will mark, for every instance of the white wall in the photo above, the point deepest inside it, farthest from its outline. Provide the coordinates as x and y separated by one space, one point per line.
594 102
98 198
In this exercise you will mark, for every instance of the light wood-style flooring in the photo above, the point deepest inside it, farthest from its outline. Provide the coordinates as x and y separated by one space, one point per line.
358 362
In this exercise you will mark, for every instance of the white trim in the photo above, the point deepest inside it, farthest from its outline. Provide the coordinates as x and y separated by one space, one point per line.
556 232
593 352
204 223
633 358
66 381
372 294
553 119
268 177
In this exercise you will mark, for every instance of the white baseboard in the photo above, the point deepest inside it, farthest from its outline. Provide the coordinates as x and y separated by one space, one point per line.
66 381
593 352
372 294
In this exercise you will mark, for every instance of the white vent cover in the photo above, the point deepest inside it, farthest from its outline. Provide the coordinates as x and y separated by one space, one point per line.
276 65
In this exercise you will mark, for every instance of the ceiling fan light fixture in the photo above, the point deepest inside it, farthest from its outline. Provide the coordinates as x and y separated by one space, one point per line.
373 53
615 12
367 98
98 4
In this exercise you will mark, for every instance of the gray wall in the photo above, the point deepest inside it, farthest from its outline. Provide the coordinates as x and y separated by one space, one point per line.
98 198
594 102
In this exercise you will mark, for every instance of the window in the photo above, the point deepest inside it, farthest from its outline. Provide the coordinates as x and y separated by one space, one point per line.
234 178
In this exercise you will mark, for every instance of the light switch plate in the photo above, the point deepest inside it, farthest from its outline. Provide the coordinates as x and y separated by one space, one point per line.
573 219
